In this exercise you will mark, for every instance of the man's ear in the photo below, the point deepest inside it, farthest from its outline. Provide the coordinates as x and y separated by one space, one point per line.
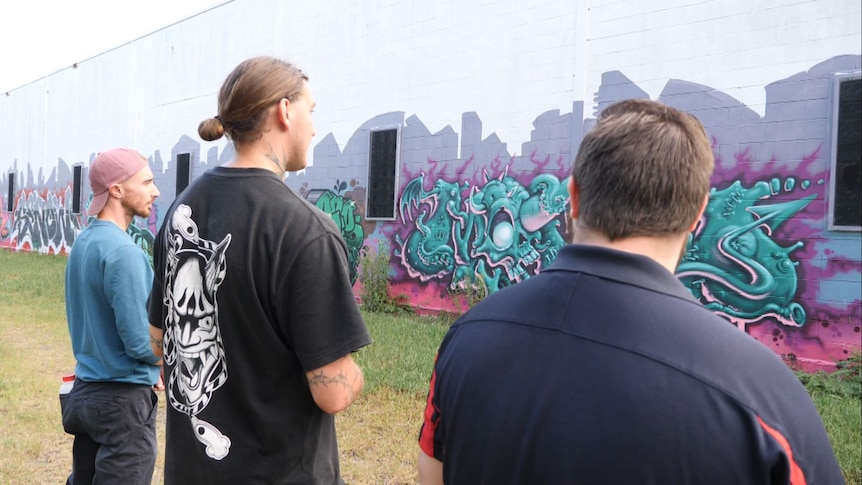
574 199
699 214
282 111
115 191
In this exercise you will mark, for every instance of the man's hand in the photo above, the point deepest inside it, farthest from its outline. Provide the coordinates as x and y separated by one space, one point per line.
160 386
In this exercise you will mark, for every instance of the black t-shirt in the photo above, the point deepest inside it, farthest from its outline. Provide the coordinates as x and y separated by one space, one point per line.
252 291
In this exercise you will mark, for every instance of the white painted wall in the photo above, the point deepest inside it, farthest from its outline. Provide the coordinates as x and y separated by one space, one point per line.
507 60
736 46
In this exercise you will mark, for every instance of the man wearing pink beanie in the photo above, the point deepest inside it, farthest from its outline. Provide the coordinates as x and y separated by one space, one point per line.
111 409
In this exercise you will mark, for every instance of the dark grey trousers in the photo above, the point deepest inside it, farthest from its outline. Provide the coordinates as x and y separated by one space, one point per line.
114 425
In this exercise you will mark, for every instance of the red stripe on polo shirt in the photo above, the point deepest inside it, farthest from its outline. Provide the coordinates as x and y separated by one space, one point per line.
796 475
432 418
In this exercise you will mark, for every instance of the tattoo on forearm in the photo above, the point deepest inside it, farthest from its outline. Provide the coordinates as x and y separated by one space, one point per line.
157 342
340 379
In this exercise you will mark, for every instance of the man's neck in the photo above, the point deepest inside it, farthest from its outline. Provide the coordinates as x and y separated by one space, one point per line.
122 223
666 251
116 213
267 153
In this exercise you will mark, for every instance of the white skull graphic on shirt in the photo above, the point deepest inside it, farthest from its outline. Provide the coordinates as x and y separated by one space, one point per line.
193 344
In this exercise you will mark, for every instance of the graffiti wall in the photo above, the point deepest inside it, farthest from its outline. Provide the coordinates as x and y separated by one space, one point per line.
501 231
43 219
345 207
474 215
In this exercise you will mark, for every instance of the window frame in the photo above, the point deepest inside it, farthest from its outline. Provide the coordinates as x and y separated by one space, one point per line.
10 192
77 185
394 216
833 162
177 189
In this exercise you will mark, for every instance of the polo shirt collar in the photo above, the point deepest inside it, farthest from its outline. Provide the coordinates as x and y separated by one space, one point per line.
621 266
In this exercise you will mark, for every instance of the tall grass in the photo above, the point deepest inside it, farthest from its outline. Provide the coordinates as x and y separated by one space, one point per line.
842 418
34 353
377 435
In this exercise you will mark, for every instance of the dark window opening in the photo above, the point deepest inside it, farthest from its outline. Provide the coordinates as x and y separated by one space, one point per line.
847 173
382 176
77 179
184 172
10 202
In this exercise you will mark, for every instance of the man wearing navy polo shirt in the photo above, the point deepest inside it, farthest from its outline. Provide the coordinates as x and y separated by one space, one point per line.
603 368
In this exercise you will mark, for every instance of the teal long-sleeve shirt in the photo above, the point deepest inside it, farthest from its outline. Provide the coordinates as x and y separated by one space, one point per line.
108 280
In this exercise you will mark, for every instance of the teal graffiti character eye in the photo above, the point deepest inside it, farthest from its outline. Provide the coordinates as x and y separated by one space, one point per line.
503 235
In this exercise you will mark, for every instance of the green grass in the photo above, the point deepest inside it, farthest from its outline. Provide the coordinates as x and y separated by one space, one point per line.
403 353
34 353
842 418
377 435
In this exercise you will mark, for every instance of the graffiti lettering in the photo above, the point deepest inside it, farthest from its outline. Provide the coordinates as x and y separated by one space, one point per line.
4 221
44 224
501 232
343 212
732 264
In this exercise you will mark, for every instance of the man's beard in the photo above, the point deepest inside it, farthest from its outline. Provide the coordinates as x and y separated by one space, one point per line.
136 209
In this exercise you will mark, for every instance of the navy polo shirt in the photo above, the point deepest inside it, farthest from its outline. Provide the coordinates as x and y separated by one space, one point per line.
604 369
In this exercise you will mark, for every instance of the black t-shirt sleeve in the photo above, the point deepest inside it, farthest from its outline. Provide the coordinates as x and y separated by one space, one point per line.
155 303
321 316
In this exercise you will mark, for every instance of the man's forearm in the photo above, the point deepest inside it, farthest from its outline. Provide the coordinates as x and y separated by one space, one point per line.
157 342
430 470
337 385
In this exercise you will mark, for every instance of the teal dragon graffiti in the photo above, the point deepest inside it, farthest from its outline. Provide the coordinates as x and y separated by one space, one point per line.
343 211
501 232
732 264
430 249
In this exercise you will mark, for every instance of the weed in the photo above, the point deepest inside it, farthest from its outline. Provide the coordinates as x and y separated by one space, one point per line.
374 275
443 318
470 291
845 381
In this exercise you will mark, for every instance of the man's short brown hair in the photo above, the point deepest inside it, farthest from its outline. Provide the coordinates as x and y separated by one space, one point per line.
643 170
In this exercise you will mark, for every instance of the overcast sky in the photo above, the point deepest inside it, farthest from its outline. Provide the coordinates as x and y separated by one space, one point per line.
40 37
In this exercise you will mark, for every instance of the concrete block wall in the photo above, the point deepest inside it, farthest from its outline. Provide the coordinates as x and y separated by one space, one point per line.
492 101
